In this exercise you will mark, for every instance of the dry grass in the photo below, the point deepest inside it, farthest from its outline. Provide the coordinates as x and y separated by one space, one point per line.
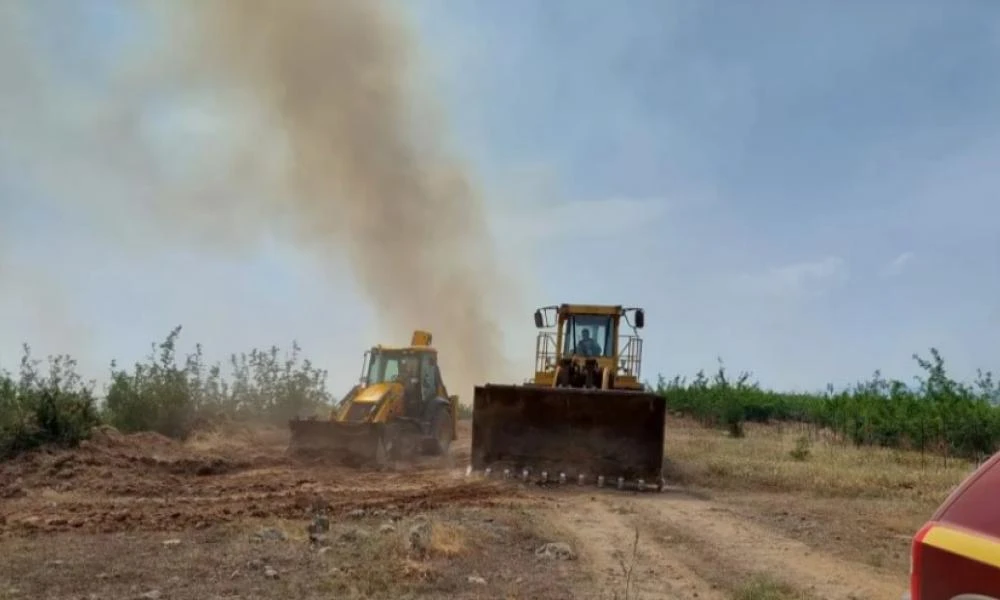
763 587
448 539
776 458
861 504
234 438
359 561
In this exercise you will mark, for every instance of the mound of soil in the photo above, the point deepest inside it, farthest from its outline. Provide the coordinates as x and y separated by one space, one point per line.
110 462
118 482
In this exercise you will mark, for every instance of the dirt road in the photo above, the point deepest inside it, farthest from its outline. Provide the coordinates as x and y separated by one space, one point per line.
688 545
681 546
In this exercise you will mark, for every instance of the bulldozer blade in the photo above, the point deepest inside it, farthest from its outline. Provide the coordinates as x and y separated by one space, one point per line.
569 434
348 443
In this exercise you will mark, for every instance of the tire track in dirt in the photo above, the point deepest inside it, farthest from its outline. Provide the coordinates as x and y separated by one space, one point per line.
693 548
605 540
726 545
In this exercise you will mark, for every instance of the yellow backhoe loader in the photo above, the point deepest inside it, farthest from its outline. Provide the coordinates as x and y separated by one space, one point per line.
400 408
585 417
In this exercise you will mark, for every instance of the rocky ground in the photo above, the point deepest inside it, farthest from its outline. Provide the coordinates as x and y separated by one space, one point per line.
228 515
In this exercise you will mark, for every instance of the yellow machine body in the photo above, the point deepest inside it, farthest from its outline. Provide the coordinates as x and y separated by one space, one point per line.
399 407
585 415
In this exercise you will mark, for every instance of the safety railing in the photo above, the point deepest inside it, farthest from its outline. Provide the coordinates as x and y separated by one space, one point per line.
546 348
630 355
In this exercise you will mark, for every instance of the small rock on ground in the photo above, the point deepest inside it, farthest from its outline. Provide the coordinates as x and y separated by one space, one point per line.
270 534
355 535
476 579
556 551
270 572
151 595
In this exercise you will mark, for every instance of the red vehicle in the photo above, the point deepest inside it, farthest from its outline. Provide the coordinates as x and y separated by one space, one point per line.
956 554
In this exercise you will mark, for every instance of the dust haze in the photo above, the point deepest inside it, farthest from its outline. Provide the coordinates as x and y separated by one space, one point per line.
302 121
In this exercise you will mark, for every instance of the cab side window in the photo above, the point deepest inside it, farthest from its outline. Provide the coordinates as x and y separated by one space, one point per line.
428 382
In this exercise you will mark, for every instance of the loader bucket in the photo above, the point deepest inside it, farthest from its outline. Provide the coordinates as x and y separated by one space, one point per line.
575 432
346 443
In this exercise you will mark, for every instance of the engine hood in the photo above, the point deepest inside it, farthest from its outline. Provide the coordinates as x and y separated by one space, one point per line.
376 392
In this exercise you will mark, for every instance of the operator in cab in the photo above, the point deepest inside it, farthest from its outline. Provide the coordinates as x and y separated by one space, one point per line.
587 346
408 376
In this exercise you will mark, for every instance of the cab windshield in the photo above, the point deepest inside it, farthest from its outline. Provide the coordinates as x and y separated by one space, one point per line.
385 367
588 335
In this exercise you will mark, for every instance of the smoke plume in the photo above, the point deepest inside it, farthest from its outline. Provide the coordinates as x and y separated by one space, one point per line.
301 120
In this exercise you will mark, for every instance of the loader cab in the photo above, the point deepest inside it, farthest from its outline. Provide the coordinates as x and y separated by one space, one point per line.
389 366
414 368
588 334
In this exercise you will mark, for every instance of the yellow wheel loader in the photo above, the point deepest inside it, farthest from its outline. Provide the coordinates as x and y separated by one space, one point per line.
584 417
400 408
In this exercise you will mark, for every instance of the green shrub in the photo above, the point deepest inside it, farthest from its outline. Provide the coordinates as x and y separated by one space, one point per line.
161 396
156 395
802 450
52 408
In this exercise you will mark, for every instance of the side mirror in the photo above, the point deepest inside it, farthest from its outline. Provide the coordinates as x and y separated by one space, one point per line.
640 319
539 322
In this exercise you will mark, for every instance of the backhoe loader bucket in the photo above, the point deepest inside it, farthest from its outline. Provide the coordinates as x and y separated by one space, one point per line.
569 434
347 443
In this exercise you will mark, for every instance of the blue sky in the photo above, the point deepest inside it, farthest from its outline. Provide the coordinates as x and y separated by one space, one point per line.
806 189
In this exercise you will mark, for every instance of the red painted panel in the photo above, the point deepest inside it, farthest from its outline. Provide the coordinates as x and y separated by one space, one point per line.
944 575
977 506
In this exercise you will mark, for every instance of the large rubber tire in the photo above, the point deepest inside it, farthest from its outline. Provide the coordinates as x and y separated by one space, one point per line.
383 452
440 431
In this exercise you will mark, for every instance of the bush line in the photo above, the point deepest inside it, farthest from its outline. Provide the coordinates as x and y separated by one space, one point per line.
937 414
56 407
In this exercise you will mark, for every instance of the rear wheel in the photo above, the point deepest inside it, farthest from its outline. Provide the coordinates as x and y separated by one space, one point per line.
440 431
384 450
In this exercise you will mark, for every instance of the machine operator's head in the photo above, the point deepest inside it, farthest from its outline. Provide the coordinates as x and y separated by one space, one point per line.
410 366
586 334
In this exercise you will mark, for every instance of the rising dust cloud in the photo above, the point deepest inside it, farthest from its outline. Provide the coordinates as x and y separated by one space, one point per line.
330 147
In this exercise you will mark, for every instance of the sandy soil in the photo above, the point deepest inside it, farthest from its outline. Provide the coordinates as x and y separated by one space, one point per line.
229 515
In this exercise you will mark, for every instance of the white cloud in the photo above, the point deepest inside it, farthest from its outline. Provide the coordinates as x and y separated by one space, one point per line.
797 279
896 265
